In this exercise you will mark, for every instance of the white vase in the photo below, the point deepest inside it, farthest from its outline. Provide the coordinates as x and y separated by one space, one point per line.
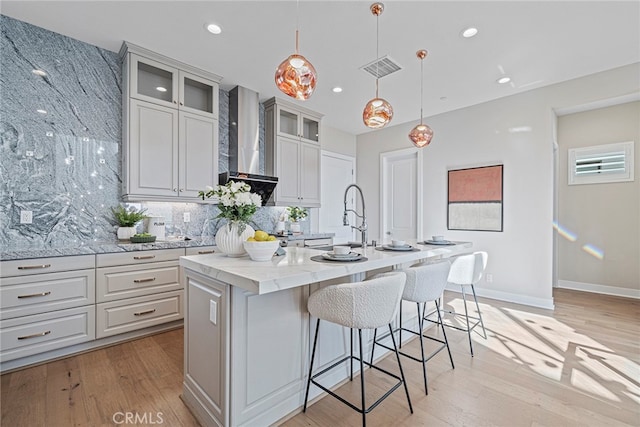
230 242
295 227
125 233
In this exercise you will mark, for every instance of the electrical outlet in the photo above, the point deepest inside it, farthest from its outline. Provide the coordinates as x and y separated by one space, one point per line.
186 217
489 277
26 217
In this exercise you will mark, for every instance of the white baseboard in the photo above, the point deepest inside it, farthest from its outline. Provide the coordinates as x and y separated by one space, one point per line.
546 303
599 289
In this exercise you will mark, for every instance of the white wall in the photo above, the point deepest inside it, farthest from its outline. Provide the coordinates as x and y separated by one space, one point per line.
520 257
604 215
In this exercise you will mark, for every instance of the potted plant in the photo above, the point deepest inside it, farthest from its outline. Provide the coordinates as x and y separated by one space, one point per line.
127 220
296 214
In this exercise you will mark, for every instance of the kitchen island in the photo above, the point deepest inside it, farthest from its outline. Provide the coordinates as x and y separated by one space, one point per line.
247 329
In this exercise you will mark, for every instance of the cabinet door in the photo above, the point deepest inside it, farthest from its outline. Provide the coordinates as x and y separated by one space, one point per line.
198 95
310 128
288 122
288 169
153 81
198 154
153 150
310 175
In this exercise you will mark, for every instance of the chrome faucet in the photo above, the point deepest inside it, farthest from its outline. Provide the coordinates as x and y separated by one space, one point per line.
362 228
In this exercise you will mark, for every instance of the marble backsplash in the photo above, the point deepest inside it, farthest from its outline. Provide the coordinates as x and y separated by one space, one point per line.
60 145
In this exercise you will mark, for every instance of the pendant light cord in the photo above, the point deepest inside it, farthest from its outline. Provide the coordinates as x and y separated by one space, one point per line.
297 23
377 51
421 87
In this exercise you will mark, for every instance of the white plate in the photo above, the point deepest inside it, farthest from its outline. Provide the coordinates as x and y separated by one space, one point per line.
353 256
397 248
439 242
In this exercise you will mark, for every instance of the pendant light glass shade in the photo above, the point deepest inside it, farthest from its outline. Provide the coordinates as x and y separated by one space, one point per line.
378 112
296 76
421 134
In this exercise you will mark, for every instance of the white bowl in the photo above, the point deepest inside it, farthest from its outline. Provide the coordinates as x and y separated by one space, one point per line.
437 238
341 250
398 243
261 251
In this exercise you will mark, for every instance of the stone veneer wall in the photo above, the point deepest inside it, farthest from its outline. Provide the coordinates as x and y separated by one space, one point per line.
64 164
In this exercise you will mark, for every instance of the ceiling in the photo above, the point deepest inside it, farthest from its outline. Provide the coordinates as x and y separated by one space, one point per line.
536 43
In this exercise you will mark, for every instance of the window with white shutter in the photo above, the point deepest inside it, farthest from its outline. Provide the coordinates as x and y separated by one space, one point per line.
601 163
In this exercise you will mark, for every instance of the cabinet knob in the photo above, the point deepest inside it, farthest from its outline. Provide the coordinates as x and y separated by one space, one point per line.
175 190
182 189
182 103
175 102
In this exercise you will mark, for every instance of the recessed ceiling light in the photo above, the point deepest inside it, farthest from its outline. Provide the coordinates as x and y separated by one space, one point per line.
41 111
503 80
39 72
337 89
469 32
161 89
214 28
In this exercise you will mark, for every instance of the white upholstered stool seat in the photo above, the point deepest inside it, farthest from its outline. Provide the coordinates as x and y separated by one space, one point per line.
425 283
466 270
360 305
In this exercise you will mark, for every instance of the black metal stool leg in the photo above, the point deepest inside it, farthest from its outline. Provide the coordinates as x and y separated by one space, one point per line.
444 334
351 353
313 355
373 346
400 328
364 406
424 367
479 314
466 316
404 382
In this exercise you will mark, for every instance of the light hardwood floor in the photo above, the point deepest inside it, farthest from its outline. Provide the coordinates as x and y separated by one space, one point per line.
578 365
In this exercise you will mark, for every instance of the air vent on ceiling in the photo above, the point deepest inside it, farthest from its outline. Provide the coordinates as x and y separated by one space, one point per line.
381 67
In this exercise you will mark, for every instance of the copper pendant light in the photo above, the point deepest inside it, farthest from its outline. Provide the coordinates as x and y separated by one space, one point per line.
378 112
296 76
421 134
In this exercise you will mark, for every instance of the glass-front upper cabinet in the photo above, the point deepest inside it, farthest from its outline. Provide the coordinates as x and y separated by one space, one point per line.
159 83
298 125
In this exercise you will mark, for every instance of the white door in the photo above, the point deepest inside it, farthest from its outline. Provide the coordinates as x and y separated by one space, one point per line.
338 171
401 194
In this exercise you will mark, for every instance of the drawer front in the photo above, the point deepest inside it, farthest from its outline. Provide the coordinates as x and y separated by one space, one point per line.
202 250
27 267
138 257
136 313
319 242
115 283
24 296
29 335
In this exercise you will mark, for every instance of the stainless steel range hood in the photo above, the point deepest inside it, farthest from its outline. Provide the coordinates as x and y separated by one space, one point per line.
244 148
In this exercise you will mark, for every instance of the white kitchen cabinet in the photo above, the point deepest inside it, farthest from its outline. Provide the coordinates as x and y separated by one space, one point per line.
45 304
138 289
170 127
293 153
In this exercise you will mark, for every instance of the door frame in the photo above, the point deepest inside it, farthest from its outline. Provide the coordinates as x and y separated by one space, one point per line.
385 158
315 223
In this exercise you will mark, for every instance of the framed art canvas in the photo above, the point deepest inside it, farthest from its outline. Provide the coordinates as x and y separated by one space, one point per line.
475 199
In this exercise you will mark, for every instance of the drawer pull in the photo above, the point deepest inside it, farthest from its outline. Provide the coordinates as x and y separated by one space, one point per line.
41 294
142 313
148 279
32 267
206 252
144 257
40 334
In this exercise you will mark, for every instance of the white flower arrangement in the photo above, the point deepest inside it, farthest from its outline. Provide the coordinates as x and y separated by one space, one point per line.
235 201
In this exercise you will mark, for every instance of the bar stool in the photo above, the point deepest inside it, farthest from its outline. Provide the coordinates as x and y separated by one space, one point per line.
361 305
425 283
466 270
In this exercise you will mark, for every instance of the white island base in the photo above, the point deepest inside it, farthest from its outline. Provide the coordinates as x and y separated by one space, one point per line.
247 329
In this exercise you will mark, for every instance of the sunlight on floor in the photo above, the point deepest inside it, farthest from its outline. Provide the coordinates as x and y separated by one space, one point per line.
546 346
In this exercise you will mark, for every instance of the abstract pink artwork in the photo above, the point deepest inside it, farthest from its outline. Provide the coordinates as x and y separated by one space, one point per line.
475 199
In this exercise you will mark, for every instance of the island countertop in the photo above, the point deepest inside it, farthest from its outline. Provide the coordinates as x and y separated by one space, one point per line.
296 268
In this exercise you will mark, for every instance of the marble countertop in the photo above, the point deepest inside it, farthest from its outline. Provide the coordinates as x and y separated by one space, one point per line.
90 248
306 236
296 268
